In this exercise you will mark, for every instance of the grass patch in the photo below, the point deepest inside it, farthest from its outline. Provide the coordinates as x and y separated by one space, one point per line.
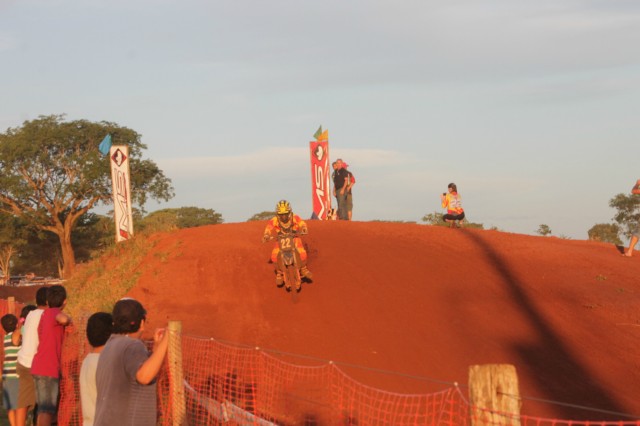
97 285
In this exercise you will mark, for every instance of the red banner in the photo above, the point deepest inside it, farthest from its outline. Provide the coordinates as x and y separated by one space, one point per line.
321 191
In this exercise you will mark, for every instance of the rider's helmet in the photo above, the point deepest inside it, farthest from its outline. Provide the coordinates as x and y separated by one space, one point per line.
284 213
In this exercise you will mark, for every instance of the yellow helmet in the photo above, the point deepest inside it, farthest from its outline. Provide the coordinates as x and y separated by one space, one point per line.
284 213
283 207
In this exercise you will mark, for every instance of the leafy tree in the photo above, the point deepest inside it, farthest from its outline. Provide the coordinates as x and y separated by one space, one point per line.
605 232
628 215
265 215
544 230
436 219
93 235
12 240
53 174
191 217
41 254
183 217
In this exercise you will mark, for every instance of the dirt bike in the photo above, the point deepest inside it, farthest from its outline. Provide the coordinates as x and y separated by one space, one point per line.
288 259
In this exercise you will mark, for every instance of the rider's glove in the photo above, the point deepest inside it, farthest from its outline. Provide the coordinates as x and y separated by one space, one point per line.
265 238
304 230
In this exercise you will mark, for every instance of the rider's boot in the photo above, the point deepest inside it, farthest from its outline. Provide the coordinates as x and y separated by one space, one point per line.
279 278
306 273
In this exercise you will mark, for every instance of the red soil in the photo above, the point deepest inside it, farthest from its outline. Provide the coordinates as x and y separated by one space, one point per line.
418 300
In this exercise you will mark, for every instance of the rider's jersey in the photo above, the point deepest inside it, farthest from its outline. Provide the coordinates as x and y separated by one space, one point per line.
453 203
274 225
297 224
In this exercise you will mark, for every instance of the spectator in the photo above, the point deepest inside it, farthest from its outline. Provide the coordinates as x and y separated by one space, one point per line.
46 362
126 371
452 202
26 390
99 327
9 375
340 181
351 180
636 233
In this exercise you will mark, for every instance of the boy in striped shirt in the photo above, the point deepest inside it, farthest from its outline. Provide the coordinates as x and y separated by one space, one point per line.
9 375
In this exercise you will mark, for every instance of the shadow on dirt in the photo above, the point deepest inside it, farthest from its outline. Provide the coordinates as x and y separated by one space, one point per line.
558 373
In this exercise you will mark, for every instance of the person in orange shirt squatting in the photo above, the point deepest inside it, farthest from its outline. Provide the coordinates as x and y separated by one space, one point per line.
286 221
452 202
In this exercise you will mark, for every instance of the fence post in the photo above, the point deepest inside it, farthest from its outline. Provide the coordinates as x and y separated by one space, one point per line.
11 305
175 372
494 395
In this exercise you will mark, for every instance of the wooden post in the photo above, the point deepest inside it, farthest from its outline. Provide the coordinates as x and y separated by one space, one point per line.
494 395
175 372
11 305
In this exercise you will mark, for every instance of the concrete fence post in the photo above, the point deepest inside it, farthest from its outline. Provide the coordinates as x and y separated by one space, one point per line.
175 371
11 305
494 395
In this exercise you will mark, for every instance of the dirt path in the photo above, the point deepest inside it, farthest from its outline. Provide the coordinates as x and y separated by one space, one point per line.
419 300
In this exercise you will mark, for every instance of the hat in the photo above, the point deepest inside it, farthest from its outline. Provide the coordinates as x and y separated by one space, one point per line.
127 316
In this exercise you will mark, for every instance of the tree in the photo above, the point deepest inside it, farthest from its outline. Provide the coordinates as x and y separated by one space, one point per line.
544 230
628 215
53 174
6 253
183 217
605 232
12 240
265 215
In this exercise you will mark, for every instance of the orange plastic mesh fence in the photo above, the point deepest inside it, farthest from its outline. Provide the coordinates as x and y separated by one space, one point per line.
239 386
247 386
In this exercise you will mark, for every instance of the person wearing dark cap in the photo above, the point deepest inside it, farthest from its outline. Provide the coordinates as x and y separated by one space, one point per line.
340 182
126 373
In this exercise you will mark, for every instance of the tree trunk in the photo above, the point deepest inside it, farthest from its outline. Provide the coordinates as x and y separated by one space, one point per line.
5 262
68 256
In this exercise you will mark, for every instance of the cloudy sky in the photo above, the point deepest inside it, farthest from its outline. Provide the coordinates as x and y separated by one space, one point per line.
530 107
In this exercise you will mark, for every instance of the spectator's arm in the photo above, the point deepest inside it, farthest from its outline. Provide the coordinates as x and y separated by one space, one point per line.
150 368
16 337
63 318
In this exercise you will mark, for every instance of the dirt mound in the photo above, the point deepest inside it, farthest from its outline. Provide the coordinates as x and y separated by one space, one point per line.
418 300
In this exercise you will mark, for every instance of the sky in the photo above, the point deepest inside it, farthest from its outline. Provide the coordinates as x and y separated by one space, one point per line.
530 107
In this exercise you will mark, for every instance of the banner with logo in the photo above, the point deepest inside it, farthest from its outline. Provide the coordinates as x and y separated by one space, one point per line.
119 159
320 175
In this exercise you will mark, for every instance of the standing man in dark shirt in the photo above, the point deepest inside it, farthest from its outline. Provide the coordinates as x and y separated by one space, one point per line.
340 181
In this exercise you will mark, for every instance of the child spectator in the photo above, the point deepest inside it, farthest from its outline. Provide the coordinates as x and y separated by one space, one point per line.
99 327
126 371
24 312
26 391
9 375
46 362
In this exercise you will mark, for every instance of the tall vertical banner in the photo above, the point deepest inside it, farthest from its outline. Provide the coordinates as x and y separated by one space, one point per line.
320 189
119 159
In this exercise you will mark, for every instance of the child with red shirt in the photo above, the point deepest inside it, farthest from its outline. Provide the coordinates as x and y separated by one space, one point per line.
46 362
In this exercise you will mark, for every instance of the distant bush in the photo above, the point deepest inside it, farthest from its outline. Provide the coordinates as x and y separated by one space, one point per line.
436 219
605 232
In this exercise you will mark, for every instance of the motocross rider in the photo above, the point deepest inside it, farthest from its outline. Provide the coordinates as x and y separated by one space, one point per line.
285 220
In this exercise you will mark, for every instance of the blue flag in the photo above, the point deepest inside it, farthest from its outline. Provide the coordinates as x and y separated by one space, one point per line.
105 145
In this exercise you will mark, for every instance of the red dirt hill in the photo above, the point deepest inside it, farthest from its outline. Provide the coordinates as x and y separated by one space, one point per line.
421 301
